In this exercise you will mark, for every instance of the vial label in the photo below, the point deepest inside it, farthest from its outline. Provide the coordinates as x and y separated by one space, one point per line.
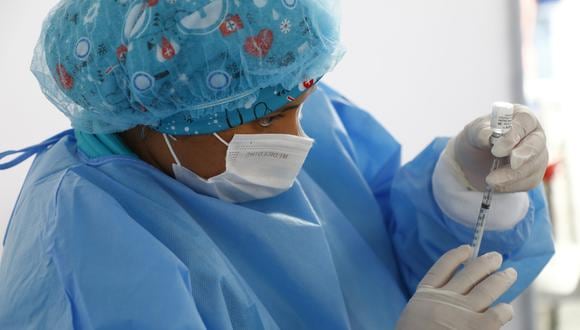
503 122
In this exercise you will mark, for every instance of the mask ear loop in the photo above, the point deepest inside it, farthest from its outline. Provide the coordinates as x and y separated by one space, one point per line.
221 139
299 122
142 133
171 148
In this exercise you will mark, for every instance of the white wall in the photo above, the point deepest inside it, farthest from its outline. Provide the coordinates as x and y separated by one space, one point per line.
26 117
426 68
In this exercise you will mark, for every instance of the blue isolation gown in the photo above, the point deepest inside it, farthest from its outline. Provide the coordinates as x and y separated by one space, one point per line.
113 243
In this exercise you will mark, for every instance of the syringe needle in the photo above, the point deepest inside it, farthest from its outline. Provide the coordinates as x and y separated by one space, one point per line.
501 123
483 211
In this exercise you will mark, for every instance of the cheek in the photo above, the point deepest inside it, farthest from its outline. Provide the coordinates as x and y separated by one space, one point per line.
288 124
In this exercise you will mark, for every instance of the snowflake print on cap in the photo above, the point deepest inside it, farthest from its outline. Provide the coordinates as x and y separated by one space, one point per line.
102 49
286 26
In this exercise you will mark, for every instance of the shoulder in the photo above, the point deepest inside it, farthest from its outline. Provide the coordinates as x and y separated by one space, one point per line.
106 260
32 294
70 211
329 105
335 121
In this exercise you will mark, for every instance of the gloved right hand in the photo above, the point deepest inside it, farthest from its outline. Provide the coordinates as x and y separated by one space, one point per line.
445 300
524 145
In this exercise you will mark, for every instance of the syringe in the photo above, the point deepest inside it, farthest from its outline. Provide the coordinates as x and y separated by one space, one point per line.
501 123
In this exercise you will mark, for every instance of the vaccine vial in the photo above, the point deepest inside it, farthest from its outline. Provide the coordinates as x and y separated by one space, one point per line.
501 119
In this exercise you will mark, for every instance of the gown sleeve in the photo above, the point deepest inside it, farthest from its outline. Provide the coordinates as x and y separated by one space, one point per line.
420 232
85 264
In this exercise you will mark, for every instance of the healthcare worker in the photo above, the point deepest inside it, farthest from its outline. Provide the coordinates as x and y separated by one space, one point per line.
211 182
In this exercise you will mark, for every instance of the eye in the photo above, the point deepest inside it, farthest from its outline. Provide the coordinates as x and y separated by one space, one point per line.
268 121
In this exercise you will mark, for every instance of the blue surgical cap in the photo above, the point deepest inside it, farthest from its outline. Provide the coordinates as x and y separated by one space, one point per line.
183 67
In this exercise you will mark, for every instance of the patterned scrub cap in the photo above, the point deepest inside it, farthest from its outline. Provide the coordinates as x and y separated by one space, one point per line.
183 67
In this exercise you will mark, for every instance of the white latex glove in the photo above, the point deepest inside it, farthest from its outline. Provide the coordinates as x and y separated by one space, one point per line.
445 300
525 145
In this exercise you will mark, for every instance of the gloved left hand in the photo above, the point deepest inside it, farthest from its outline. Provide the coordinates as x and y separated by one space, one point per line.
524 144
446 299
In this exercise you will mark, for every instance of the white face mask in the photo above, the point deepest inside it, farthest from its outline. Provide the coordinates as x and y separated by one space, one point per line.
258 166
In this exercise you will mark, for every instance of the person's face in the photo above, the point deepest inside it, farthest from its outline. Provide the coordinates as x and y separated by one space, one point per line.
205 154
